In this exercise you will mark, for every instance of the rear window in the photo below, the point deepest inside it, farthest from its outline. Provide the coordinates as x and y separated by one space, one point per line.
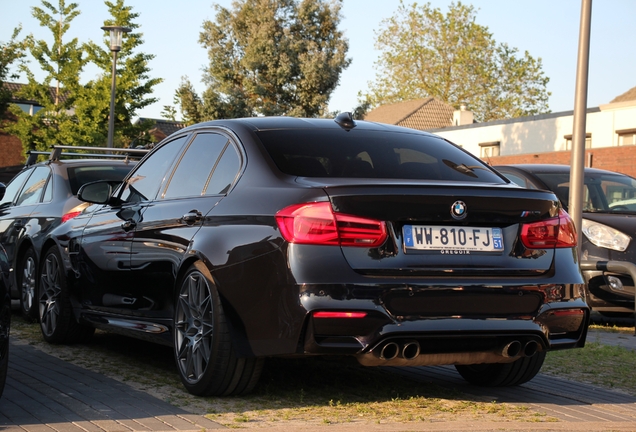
372 154
79 176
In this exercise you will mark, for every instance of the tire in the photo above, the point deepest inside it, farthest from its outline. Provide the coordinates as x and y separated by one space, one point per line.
27 277
206 360
503 374
57 322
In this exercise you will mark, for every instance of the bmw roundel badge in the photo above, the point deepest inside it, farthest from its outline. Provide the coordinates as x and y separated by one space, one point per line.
459 210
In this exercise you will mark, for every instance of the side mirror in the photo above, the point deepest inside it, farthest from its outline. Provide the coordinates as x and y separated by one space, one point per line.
3 189
98 192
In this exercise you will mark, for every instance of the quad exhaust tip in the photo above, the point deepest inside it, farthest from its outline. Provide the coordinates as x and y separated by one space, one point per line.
511 349
389 351
530 348
410 350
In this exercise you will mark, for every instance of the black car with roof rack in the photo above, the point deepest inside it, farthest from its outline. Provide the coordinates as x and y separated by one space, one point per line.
237 240
43 195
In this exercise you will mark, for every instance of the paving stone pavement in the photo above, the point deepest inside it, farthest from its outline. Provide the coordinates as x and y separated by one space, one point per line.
46 394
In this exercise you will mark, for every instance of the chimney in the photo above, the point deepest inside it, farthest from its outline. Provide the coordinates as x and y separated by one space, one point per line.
462 116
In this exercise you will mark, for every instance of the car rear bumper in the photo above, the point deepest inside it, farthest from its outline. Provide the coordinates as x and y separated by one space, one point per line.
381 338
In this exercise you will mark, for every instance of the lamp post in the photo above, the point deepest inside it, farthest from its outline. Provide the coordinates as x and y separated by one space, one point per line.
116 33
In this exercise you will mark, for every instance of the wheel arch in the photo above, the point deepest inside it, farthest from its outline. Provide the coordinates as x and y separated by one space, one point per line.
46 246
237 329
25 244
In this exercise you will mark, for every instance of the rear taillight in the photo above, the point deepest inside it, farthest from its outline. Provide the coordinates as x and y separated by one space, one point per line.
556 232
316 223
70 215
341 314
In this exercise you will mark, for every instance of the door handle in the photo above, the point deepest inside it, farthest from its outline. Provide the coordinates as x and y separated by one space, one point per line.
191 217
128 225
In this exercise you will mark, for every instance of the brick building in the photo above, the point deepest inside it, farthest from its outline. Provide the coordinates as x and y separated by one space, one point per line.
610 137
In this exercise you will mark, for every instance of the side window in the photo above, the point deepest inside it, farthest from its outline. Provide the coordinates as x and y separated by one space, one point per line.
14 187
145 181
193 172
225 172
48 192
34 186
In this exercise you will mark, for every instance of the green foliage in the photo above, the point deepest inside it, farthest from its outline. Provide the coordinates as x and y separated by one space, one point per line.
190 103
58 92
454 59
73 113
133 83
269 57
10 53
169 112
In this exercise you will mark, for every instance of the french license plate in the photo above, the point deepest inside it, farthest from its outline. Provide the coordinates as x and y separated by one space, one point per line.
455 239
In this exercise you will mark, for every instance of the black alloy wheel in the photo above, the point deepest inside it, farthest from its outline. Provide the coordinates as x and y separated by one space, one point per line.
27 277
56 315
503 374
206 359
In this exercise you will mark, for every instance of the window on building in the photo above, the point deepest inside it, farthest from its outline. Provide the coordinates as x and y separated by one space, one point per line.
626 137
568 141
488 149
29 108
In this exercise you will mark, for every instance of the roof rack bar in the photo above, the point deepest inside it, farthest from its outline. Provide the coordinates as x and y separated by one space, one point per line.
89 155
104 149
57 153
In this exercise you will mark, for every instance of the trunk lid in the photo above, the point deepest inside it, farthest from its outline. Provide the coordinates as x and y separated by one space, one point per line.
425 238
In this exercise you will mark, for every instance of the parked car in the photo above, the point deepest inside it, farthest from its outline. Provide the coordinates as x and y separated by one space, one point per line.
608 251
38 199
5 317
237 240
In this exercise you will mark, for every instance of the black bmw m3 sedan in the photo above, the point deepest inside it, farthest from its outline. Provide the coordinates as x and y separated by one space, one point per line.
237 240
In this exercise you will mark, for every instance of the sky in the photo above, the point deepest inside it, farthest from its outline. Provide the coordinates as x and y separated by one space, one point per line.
547 29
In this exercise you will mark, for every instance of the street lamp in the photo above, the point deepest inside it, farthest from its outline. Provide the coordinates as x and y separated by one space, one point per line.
116 33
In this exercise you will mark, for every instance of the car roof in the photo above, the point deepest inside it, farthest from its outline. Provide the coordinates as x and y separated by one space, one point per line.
269 123
552 168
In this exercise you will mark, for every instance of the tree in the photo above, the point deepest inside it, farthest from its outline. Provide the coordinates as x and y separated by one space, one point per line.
76 114
269 57
190 103
57 94
133 86
454 59
10 53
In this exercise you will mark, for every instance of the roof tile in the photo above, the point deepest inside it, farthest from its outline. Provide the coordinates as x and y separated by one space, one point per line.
422 114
